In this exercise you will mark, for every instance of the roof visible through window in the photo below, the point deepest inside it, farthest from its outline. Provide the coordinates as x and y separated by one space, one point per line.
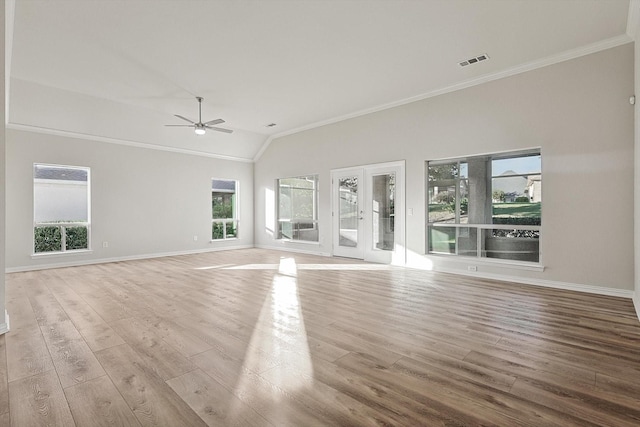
58 173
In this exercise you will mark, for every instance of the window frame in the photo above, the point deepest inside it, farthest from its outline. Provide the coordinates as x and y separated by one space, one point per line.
234 209
459 227
63 225
315 210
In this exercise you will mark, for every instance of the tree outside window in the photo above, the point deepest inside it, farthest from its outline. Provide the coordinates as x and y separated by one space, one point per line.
224 221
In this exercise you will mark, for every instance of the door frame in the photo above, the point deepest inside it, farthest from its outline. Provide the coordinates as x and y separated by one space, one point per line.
356 252
398 255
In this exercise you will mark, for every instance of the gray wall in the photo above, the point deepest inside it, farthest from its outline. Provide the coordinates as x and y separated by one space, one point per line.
143 202
577 112
636 28
3 10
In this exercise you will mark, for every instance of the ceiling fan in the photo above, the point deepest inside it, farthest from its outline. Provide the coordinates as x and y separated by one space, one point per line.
201 128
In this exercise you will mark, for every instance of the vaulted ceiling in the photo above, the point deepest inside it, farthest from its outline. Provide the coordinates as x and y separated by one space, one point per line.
119 70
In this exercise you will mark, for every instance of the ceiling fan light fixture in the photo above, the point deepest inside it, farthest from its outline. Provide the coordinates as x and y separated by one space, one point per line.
201 128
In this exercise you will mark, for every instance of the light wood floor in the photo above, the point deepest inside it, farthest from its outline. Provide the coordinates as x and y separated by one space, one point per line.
264 338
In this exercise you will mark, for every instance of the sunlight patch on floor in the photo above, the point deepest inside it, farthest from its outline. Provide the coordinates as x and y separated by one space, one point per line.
356 267
278 349
213 267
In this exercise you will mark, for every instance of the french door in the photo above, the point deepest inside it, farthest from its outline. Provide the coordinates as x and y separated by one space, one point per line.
368 212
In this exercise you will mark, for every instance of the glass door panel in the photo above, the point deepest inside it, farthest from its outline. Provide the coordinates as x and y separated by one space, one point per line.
347 201
349 211
382 211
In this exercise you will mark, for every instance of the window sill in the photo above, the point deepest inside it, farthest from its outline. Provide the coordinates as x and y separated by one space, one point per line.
222 240
304 242
468 260
66 253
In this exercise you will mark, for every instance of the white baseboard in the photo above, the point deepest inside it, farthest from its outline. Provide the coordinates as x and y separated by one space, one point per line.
636 303
76 263
567 286
4 327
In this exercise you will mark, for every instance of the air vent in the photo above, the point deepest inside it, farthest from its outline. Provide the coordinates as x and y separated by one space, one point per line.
474 60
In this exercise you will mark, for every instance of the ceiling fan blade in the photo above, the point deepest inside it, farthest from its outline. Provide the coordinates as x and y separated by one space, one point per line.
213 122
219 129
184 118
182 126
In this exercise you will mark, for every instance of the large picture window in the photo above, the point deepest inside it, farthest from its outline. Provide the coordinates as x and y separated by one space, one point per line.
61 208
224 216
486 206
298 208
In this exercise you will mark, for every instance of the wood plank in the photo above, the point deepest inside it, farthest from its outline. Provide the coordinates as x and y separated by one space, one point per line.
214 337
297 407
95 331
27 353
38 400
157 354
628 387
386 399
520 364
92 289
73 359
586 404
153 402
224 368
4 377
97 403
483 402
330 404
179 337
215 404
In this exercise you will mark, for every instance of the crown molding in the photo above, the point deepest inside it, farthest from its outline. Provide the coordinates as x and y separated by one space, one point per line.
523 68
264 147
76 135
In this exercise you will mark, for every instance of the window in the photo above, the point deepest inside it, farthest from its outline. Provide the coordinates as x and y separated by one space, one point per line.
61 208
224 216
486 206
298 208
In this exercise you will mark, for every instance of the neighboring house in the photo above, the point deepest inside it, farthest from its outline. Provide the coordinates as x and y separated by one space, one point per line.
512 186
60 194
511 197
534 188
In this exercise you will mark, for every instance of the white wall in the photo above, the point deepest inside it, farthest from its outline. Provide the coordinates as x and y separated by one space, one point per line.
577 112
143 202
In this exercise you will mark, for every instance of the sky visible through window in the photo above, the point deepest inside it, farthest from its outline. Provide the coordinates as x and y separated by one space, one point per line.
520 165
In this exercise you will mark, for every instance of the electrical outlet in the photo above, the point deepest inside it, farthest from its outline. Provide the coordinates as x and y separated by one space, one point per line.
472 268
195 238
105 244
